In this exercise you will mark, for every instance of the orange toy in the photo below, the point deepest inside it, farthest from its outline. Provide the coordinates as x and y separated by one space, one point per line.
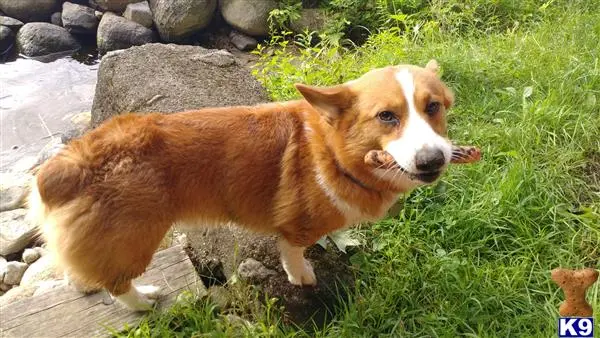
574 284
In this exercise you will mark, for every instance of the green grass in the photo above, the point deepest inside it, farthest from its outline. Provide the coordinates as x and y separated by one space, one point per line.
471 255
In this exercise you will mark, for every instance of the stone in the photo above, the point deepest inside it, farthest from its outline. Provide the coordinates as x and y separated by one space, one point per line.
14 188
17 293
170 78
115 32
139 12
11 23
311 20
14 272
41 38
117 6
30 256
56 19
29 10
5 287
254 271
43 269
301 304
15 232
79 19
178 19
250 17
241 41
7 39
220 297
3 263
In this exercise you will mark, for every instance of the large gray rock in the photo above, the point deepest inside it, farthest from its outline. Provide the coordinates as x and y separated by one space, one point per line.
31 255
79 19
116 32
13 190
15 232
177 19
171 78
56 19
260 265
40 38
7 38
14 273
310 19
117 6
42 270
241 41
249 17
139 12
10 23
29 10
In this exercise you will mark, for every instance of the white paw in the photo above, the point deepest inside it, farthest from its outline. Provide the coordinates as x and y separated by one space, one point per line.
150 291
305 275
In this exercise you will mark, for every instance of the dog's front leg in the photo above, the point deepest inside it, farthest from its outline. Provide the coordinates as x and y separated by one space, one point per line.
298 269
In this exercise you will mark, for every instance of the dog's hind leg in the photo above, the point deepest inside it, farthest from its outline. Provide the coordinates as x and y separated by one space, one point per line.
298 269
137 298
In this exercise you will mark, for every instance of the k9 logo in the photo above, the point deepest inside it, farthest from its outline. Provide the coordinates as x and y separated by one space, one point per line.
575 327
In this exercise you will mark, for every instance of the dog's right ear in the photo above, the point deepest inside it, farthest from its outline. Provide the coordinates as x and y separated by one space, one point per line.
330 102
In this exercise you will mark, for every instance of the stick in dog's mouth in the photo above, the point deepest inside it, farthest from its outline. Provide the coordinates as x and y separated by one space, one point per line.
381 159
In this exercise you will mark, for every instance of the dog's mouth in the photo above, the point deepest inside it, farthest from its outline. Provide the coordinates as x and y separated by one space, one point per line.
425 177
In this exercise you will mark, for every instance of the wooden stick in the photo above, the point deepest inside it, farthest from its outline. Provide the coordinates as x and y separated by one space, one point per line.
460 155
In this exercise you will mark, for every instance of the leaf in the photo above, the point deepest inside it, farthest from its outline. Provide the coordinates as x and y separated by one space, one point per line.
527 92
323 242
343 239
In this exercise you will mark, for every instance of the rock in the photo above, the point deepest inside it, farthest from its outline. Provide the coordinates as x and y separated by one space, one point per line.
3 263
14 272
79 19
14 188
241 41
43 269
301 304
220 297
11 23
5 287
254 271
177 19
42 251
117 6
40 38
171 78
31 255
311 19
29 10
99 14
139 12
15 232
56 19
246 16
16 294
7 39
115 32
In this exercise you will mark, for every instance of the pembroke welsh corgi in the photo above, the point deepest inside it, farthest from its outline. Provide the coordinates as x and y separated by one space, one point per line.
296 168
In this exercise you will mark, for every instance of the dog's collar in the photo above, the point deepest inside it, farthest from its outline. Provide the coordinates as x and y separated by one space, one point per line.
349 176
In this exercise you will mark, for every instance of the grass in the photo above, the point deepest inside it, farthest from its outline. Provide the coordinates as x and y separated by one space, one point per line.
471 255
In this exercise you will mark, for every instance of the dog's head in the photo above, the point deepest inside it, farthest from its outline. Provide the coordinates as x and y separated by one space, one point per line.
400 109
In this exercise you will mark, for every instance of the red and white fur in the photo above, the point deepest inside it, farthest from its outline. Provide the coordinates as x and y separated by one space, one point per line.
292 168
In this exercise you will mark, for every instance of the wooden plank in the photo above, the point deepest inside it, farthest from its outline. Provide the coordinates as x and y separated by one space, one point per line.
64 312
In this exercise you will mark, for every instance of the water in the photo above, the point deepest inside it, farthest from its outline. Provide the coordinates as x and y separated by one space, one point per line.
38 100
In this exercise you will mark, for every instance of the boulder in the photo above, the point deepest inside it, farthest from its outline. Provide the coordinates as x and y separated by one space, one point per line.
241 41
117 6
260 261
7 39
14 272
249 17
30 255
15 232
116 32
11 23
13 190
42 270
56 19
40 38
310 19
17 293
139 12
178 19
79 19
29 10
171 78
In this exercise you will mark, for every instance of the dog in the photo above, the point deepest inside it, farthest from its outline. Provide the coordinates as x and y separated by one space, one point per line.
294 168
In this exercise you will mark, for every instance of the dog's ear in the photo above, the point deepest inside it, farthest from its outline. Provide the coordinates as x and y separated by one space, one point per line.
432 66
329 101
448 97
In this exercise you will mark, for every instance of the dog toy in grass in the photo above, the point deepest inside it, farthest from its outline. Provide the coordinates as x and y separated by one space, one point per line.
574 284
460 154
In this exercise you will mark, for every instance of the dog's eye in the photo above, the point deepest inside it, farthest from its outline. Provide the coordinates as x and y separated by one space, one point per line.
387 117
432 108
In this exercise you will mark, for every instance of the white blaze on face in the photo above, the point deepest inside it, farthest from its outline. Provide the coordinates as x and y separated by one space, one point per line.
417 133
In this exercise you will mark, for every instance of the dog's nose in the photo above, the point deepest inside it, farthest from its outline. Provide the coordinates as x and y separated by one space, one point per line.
430 159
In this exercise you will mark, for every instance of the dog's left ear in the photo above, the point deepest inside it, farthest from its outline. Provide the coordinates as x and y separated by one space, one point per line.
329 101
432 66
